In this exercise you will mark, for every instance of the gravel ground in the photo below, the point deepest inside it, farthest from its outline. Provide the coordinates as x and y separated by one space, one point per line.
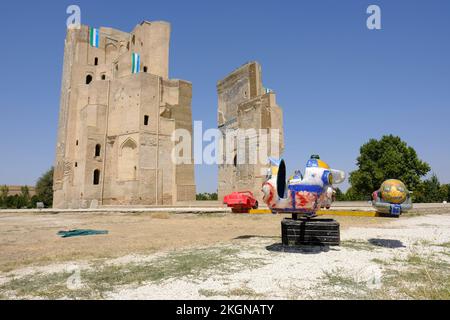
254 266
299 274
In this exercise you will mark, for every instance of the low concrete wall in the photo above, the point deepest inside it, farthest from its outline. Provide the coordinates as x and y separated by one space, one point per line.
196 207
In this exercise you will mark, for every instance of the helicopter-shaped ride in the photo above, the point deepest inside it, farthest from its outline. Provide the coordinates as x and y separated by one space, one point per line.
300 194
303 195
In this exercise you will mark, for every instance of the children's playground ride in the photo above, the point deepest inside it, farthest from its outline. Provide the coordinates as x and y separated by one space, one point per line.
300 194
303 195
241 202
392 198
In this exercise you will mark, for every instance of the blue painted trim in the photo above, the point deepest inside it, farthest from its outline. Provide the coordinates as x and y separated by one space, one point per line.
303 187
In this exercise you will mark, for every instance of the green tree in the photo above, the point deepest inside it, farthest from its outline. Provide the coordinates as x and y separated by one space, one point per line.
44 188
4 196
431 190
33 201
445 192
12 202
340 196
206 196
353 194
387 158
213 196
200 197
24 197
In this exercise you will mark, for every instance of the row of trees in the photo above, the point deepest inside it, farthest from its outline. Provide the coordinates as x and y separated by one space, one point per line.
431 190
206 196
44 194
392 158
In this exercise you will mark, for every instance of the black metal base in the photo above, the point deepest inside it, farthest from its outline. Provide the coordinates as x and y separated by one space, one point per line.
310 231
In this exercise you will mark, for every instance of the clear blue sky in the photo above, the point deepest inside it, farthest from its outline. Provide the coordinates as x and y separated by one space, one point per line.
338 83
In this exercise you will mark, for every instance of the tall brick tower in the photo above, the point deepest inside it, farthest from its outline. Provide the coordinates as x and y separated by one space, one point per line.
245 104
118 110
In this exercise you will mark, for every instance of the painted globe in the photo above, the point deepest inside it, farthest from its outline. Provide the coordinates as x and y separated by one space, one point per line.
393 191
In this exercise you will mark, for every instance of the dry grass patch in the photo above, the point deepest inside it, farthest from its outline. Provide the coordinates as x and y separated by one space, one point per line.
420 277
358 245
243 292
414 277
100 278
444 245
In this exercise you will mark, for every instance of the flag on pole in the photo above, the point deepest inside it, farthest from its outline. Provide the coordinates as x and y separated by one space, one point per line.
136 63
93 37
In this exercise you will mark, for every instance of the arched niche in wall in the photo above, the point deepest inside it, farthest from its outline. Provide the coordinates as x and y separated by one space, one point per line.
98 149
110 52
88 79
127 160
96 177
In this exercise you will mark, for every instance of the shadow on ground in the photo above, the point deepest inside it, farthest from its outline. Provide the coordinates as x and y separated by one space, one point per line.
249 236
387 243
305 249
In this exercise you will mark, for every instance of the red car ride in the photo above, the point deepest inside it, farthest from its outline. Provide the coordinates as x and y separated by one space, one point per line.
241 201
